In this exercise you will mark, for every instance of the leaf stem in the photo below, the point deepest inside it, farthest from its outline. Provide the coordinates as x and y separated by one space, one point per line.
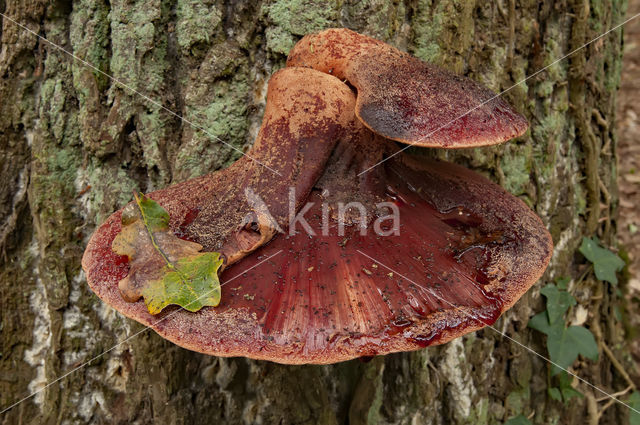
147 226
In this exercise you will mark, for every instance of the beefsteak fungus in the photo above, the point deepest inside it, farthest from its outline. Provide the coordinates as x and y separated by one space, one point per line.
318 260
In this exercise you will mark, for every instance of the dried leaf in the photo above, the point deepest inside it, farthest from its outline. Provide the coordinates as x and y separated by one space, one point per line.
164 269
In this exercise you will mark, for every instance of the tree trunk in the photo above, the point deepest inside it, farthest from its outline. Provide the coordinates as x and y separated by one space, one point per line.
75 143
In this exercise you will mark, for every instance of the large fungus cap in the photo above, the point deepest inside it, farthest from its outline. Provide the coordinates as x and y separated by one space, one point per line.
403 98
466 252
427 252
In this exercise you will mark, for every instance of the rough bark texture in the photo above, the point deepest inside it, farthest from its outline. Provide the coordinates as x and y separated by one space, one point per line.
74 144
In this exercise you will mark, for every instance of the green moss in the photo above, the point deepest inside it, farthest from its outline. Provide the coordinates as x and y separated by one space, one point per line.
551 130
139 59
427 25
613 56
380 19
52 185
373 416
111 188
519 95
223 118
479 157
597 17
57 166
56 159
133 34
517 400
492 72
557 70
279 40
545 88
580 199
291 18
216 99
301 17
197 23
480 412
611 70
366 405
443 32
548 136
89 35
152 132
62 165
524 372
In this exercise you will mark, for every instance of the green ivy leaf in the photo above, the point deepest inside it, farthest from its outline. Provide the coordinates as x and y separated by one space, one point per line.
564 344
540 322
605 262
563 283
564 392
164 269
568 392
558 302
634 401
518 420
565 347
555 394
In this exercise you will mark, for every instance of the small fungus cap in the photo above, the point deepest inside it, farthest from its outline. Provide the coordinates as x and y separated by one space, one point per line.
405 99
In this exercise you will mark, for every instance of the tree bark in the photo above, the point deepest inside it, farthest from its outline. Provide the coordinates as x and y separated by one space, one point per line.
75 143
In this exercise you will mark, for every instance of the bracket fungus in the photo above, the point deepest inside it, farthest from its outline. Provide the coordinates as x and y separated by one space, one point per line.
319 261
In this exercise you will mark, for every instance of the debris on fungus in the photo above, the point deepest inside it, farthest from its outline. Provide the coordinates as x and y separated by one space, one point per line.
319 261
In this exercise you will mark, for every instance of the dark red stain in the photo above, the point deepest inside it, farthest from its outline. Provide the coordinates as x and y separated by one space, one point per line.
183 231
